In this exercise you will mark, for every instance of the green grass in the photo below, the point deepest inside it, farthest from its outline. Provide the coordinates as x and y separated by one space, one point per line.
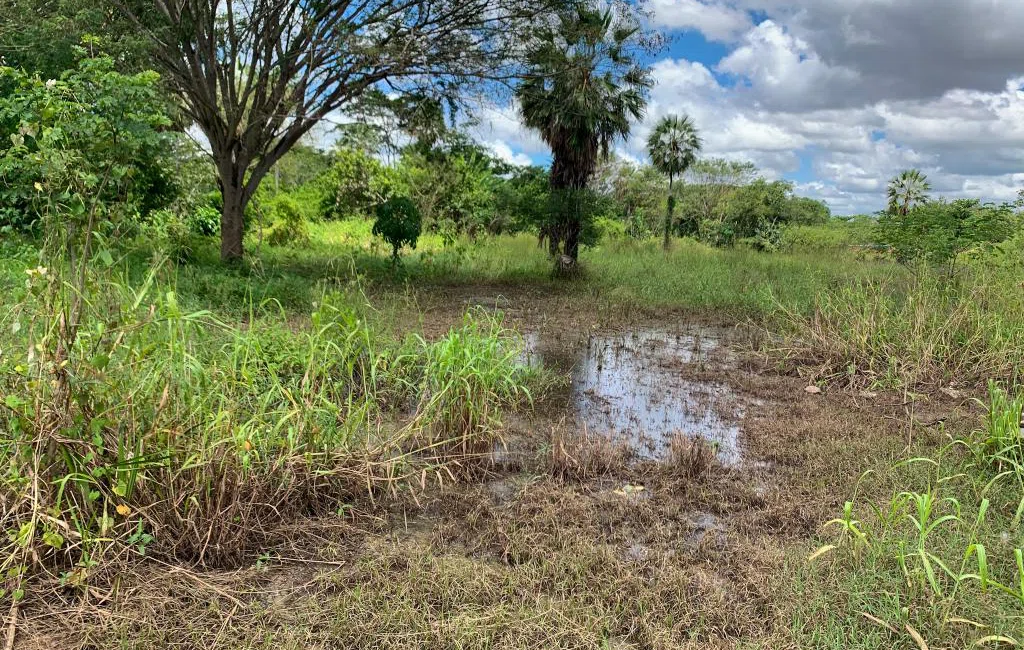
941 557
692 277
151 428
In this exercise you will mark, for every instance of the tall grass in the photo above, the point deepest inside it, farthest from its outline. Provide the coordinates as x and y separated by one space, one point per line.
149 428
468 376
923 332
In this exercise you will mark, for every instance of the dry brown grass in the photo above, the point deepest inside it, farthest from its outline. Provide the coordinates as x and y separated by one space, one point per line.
577 455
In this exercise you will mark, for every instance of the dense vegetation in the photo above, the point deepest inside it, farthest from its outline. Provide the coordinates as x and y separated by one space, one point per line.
201 343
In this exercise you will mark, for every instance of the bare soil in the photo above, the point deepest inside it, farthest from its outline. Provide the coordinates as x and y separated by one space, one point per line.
580 532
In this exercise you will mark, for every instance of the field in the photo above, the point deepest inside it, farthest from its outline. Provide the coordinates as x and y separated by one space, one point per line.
700 448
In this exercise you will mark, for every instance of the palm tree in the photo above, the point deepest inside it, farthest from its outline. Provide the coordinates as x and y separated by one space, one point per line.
584 87
673 146
908 190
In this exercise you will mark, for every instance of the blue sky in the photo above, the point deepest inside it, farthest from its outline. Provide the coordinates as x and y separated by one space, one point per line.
836 95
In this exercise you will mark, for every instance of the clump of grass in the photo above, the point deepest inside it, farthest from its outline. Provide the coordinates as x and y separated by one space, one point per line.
468 377
578 455
999 446
889 334
690 457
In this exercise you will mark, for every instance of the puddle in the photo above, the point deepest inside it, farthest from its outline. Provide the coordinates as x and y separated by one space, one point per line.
631 386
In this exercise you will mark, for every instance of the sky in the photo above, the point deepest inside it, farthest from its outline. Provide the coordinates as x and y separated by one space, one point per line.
837 96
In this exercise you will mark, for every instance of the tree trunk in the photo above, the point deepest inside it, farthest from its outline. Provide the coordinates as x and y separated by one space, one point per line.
668 213
572 239
232 216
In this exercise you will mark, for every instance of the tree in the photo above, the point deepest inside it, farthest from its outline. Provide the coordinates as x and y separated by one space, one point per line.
907 190
257 75
635 191
710 182
804 211
673 146
355 185
452 185
398 223
584 86
939 233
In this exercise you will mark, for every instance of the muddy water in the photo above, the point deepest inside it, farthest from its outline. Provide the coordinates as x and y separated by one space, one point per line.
633 387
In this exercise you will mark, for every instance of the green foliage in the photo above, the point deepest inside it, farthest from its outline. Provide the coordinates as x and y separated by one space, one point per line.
44 37
398 223
805 211
355 185
939 232
204 221
521 200
88 145
453 185
289 223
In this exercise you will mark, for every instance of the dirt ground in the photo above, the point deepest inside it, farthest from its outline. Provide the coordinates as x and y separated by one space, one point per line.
567 538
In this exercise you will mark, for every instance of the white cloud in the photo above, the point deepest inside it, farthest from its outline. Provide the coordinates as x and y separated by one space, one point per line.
503 151
846 92
718 21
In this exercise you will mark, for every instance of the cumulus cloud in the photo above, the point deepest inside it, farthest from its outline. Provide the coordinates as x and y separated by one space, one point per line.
848 92
718 21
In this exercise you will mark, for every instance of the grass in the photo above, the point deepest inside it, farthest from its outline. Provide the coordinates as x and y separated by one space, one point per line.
938 563
148 429
207 416
621 273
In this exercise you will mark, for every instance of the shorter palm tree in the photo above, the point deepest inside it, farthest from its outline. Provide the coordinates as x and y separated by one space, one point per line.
908 190
673 146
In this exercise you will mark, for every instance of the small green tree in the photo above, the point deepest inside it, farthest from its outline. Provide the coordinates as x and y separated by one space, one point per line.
673 146
939 232
398 223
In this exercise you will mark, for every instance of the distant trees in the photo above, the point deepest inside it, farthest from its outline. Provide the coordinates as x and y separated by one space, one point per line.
673 147
907 190
257 75
940 232
584 87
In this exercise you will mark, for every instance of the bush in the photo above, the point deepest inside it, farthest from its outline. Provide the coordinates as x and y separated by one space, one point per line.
939 233
204 221
398 223
289 223
94 138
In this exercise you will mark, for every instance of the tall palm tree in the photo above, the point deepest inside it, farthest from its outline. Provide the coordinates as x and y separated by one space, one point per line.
673 146
584 87
908 190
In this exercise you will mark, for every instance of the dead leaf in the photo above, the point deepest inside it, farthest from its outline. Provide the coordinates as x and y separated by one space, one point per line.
812 390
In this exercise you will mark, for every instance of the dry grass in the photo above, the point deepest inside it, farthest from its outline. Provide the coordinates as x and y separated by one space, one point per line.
578 455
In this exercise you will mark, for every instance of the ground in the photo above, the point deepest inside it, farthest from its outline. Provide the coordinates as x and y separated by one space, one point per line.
561 538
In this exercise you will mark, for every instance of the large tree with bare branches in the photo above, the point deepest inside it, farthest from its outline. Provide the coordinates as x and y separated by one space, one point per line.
257 75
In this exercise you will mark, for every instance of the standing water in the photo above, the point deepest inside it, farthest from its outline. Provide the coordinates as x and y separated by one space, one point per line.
631 387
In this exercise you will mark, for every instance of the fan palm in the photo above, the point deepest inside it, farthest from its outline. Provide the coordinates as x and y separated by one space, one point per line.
673 146
584 88
908 190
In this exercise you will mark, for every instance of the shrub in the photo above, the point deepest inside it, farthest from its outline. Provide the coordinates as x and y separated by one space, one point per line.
204 221
939 233
398 223
289 223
